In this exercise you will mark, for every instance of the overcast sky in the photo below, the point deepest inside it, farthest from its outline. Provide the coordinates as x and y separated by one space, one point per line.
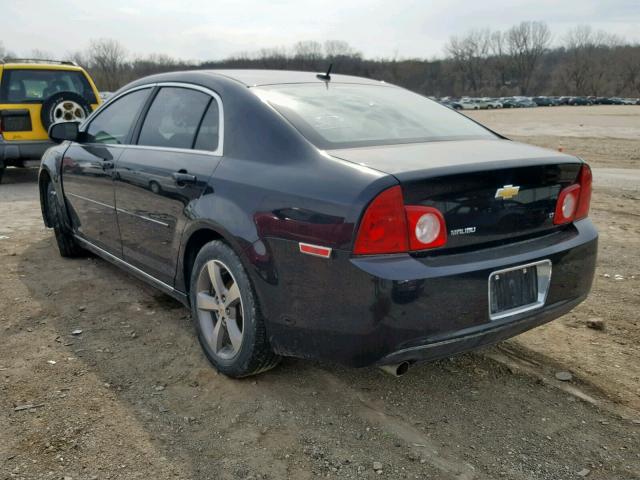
213 29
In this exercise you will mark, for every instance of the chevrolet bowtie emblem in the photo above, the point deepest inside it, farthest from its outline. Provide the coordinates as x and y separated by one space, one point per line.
507 192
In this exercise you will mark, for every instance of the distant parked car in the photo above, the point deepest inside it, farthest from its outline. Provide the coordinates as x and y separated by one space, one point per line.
451 104
510 102
580 101
609 101
545 101
564 100
526 102
469 104
482 103
490 103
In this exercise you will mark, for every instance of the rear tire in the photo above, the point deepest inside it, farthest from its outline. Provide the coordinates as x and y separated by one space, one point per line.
67 244
1 173
226 314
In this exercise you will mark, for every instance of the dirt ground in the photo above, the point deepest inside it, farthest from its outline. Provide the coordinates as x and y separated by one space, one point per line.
608 138
131 396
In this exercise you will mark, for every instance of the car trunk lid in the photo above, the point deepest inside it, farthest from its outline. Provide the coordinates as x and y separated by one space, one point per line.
489 191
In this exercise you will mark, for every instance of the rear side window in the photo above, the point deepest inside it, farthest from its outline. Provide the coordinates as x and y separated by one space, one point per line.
35 86
173 118
208 135
113 124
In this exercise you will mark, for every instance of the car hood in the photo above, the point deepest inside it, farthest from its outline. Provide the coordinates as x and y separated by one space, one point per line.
431 159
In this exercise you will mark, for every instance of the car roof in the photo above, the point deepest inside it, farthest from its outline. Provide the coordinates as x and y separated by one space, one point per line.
40 66
253 78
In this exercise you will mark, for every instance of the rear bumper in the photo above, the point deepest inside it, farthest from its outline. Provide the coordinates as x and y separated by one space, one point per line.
464 341
15 152
386 309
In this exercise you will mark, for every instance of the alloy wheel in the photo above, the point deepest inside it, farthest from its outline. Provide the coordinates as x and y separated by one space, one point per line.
68 111
220 310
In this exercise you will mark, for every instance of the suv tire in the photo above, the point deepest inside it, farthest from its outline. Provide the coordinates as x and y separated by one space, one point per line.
64 107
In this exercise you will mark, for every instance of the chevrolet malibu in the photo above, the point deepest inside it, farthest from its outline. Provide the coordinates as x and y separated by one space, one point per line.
322 216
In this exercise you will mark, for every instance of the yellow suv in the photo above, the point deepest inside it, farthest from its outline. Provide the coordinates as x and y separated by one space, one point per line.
33 95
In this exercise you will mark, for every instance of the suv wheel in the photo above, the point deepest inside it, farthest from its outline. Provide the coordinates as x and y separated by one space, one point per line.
64 107
67 244
226 314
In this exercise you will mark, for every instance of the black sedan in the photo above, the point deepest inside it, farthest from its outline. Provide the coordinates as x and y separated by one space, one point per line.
322 216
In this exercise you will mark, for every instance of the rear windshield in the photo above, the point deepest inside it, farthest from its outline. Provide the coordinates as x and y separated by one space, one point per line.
347 115
35 86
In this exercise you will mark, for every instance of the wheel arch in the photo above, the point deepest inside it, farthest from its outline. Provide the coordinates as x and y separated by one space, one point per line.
44 177
193 240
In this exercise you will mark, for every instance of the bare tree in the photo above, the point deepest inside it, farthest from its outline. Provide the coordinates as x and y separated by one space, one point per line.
628 61
80 57
308 54
341 55
500 60
469 54
588 60
107 60
273 58
4 53
41 54
339 48
526 44
480 62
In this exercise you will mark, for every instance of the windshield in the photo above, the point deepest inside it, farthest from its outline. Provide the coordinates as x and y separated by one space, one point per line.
353 115
35 86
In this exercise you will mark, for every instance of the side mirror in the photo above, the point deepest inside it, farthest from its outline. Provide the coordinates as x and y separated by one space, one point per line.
59 132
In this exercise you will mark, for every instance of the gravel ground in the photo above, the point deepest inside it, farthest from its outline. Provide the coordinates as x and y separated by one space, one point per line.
131 396
609 358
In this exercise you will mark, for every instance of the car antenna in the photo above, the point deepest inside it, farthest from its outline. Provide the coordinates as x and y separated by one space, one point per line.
326 76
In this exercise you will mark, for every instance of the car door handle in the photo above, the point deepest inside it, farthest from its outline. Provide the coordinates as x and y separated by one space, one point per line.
182 178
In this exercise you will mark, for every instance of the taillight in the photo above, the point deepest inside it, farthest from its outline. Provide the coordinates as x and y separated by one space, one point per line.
567 205
383 228
388 226
573 201
585 179
427 228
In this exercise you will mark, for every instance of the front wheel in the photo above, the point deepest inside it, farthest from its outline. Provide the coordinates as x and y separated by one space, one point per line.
67 245
226 314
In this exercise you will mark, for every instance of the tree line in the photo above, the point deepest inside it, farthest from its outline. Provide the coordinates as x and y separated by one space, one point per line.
518 61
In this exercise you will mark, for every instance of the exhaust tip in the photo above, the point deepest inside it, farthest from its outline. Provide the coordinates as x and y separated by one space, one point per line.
397 369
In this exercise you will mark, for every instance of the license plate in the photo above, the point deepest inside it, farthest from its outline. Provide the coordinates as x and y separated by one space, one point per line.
518 289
